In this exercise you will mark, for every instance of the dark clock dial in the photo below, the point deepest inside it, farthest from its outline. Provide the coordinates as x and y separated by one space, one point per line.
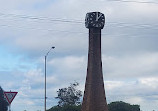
94 20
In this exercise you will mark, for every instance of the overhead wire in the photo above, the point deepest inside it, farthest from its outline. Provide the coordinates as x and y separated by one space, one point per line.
116 24
119 24
73 32
49 30
144 2
104 34
123 24
41 18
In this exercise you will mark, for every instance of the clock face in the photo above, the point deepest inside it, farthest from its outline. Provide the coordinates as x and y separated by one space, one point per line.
95 20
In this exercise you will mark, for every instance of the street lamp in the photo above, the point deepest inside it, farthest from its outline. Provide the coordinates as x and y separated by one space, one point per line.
45 78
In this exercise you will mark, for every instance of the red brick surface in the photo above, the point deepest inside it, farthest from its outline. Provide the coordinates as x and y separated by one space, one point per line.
94 95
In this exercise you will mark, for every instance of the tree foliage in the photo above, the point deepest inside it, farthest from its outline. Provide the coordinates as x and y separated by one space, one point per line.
3 103
69 100
66 108
113 106
69 96
122 106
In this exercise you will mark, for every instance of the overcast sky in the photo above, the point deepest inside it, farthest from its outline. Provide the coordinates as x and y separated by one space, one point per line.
29 28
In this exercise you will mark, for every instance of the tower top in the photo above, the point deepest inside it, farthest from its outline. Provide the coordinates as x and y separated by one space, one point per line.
95 20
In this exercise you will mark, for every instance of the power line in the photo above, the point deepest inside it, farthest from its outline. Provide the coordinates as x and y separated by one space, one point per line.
144 2
132 24
119 24
108 25
49 30
104 34
78 32
41 18
115 24
62 31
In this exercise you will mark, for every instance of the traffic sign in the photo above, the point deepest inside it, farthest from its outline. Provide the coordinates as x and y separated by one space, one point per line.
10 96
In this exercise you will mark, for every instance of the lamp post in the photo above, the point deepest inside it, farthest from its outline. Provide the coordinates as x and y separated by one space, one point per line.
45 78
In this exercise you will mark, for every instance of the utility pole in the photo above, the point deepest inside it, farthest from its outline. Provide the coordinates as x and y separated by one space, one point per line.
45 95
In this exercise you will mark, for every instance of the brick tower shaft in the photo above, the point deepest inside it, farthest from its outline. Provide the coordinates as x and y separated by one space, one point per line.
94 95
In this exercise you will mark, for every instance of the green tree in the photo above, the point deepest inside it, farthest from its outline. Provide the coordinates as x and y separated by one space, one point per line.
3 103
66 108
122 106
69 95
113 106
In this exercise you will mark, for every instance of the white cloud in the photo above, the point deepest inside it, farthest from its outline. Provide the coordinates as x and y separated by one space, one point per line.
151 82
69 67
110 85
34 76
129 63
135 99
131 66
139 92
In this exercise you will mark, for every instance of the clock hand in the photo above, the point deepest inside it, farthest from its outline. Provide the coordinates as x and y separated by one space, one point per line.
99 16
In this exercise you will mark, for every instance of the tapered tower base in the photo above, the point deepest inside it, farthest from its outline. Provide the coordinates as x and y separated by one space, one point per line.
94 95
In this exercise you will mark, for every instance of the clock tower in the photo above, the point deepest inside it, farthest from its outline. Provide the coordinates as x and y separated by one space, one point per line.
94 95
